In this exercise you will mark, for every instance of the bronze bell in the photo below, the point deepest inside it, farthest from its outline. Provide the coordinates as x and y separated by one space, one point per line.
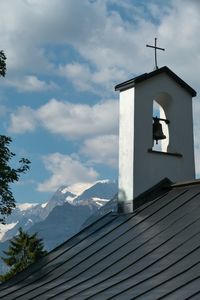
157 131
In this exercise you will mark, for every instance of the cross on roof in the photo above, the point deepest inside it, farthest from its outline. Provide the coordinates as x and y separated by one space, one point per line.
156 48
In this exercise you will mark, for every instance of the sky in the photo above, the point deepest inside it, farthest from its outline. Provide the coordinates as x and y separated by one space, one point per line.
64 57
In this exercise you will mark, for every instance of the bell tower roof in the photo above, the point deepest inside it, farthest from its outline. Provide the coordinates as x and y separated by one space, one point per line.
132 82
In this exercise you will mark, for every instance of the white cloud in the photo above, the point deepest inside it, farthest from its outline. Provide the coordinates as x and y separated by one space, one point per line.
68 119
79 74
23 120
27 25
179 40
101 36
79 120
31 83
102 150
85 79
110 48
65 170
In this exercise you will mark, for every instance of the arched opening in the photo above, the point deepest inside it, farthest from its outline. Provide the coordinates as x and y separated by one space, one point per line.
159 112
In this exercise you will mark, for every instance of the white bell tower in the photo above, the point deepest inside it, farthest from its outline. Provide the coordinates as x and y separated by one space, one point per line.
142 163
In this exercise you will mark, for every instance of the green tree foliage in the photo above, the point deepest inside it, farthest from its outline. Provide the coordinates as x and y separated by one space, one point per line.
24 249
2 64
8 175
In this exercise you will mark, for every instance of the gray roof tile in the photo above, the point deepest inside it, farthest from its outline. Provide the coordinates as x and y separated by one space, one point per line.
153 253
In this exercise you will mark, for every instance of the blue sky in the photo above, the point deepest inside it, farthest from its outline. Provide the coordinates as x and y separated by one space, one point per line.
64 57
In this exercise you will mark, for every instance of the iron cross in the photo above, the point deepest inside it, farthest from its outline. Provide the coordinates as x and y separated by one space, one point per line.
156 48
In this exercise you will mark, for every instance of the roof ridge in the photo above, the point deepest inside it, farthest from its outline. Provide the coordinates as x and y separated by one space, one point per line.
131 82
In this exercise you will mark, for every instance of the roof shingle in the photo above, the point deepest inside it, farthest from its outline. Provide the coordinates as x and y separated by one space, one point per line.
153 253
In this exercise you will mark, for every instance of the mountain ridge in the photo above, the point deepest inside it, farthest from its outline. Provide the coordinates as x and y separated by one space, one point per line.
62 216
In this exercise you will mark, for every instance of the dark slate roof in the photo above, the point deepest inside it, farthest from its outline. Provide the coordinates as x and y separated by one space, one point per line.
153 253
131 83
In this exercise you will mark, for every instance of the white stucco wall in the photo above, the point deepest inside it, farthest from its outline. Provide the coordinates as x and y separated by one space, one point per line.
138 168
126 142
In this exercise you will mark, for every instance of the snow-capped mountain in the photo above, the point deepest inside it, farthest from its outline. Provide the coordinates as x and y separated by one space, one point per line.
60 217
63 222
26 215
108 207
102 190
